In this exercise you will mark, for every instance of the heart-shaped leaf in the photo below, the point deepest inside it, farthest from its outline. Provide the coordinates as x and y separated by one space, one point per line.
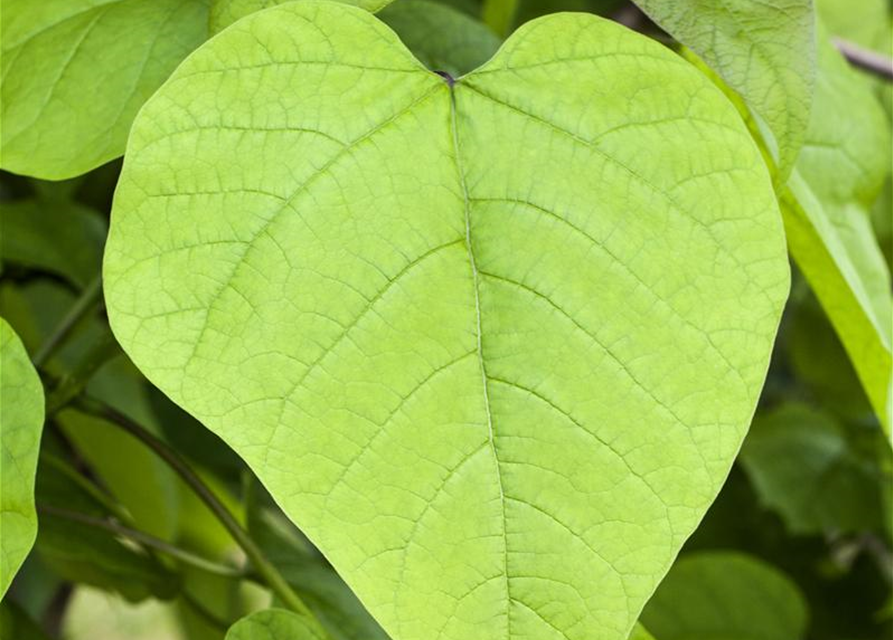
492 343
21 424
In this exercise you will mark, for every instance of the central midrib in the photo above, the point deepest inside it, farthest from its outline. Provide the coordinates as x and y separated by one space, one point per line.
480 353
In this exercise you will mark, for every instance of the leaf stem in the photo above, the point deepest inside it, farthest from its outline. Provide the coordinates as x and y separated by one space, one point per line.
89 299
864 59
145 539
262 565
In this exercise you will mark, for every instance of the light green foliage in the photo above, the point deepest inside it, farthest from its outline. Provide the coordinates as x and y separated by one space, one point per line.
63 238
226 12
442 38
492 347
763 50
726 596
21 423
499 15
273 624
840 172
865 22
831 487
75 72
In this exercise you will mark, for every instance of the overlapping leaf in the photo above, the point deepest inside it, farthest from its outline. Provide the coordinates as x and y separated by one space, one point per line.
841 170
273 624
493 346
21 423
226 12
763 50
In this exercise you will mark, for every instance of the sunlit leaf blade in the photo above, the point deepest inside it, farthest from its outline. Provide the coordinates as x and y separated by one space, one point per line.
841 170
726 595
274 624
226 12
763 50
63 238
21 423
803 466
75 72
492 347
640 633
442 38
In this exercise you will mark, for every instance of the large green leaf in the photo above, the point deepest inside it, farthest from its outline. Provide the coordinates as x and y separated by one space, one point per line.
493 346
442 38
75 72
21 423
16 625
226 12
726 596
273 624
803 466
763 50
840 172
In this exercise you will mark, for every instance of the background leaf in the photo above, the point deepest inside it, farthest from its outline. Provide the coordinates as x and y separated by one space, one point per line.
273 624
72 84
21 424
726 595
764 50
442 38
373 251
226 12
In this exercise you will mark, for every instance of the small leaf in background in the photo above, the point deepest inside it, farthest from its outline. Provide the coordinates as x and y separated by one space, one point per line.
21 425
59 237
97 615
764 50
841 170
804 467
226 12
727 596
442 38
424 316
273 624
72 82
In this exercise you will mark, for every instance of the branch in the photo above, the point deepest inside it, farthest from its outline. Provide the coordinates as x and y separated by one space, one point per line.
145 539
864 59
262 565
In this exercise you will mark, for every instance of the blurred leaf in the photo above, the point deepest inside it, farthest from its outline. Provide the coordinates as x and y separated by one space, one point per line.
725 596
16 625
21 425
499 15
274 624
330 599
865 22
803 466
764 50
840 171
442 38
226 12
97 615
72 84
82 553
530 9
63 238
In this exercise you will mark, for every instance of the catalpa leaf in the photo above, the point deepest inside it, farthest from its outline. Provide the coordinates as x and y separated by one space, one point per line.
825 205
75 72
21 424
727 595
226 12
274 624
491 343
764 50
